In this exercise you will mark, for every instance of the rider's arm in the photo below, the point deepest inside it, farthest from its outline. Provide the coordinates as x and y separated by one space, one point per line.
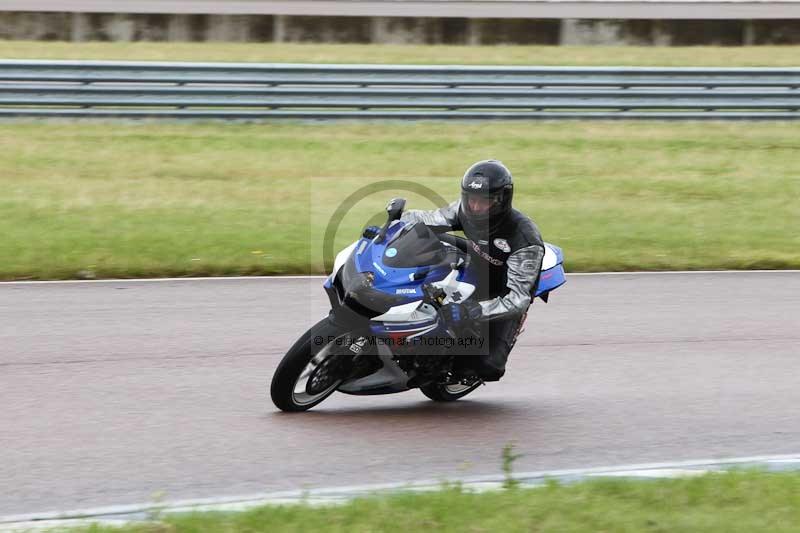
523 267
444 219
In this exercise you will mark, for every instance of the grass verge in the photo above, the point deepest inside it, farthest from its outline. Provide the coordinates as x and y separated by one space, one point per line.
771 56
135 200
733 502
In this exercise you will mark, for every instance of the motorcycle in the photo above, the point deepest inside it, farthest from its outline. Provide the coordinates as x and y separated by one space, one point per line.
384 334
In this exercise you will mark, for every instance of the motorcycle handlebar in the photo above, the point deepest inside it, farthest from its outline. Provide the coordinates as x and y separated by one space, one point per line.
433 295
455 240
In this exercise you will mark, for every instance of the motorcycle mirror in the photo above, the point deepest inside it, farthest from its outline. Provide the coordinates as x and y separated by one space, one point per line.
395 208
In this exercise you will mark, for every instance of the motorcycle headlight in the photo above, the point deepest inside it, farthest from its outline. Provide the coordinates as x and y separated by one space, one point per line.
369 277
360 293
353 280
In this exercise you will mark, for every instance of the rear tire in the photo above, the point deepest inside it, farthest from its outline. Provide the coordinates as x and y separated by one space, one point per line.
448 393
300 382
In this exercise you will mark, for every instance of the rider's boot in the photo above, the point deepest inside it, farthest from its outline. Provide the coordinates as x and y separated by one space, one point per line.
492 366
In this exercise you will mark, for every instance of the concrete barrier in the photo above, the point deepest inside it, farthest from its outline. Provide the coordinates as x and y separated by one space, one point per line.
596 22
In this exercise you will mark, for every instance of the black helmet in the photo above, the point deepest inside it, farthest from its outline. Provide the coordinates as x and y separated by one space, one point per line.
488 182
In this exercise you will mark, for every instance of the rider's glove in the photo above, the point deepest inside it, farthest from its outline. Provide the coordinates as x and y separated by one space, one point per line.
370 232
460 315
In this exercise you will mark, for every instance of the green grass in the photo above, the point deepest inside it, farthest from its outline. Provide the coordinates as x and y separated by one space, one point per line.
131 200
775 56
737 502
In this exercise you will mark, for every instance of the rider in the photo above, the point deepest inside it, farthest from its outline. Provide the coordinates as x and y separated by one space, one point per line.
507 252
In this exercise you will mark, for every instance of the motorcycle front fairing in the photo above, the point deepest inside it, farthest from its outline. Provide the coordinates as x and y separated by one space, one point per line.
372 277
382 284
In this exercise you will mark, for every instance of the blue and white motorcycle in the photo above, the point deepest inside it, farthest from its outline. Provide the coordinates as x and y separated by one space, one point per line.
383 334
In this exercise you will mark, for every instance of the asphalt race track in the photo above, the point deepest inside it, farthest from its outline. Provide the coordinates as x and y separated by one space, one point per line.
113 392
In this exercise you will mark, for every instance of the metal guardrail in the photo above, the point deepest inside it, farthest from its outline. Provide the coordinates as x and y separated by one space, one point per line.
259 91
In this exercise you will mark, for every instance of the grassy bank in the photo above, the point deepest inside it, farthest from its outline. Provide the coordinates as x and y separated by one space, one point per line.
776 56
115 200
746 502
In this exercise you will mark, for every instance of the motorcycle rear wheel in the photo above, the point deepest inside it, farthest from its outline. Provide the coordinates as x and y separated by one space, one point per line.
307 373
439 392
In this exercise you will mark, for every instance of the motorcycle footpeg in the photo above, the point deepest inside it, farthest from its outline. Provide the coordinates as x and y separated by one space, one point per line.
463 376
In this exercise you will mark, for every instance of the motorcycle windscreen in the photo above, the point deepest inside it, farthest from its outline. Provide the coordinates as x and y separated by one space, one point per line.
415 246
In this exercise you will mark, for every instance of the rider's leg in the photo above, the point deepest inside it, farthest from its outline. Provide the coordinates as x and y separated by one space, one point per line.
501 335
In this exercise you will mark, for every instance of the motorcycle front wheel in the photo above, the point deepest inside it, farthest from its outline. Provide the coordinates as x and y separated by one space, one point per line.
311 370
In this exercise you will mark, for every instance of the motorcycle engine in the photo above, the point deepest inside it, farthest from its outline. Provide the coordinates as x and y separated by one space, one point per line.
422 363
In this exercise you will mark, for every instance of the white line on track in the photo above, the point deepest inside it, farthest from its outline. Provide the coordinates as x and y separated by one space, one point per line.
316 276
334 495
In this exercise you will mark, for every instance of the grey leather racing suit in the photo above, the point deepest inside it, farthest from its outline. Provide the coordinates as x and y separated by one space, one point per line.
508 258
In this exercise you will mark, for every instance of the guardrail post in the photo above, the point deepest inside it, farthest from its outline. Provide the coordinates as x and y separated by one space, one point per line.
279 29
228 28
121 27
81 28
661 35
577 32
473 32
179 28
749 37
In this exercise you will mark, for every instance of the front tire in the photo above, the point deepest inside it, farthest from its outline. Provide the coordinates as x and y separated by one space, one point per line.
439 392
307 373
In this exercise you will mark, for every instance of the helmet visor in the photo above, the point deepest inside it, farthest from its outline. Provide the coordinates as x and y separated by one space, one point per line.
480 205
